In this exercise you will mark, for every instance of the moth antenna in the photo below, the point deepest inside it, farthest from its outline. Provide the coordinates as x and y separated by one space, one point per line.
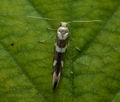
35 17
51 29
84 21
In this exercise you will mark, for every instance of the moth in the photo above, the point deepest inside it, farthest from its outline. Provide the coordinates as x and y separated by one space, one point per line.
59 51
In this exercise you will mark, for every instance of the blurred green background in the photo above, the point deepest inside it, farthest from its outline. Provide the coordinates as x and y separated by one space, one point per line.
90 74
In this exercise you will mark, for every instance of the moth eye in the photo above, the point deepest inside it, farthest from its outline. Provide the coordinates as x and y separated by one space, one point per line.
60 30
60 24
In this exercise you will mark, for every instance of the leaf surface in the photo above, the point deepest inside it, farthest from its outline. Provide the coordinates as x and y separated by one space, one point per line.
90 74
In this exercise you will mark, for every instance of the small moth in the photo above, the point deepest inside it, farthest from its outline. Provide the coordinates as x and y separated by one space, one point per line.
59 50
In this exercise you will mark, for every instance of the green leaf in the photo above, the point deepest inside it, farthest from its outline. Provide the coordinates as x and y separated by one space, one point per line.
92 63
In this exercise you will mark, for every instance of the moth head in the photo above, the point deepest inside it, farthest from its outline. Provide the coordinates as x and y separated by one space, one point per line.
63 24
63 31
